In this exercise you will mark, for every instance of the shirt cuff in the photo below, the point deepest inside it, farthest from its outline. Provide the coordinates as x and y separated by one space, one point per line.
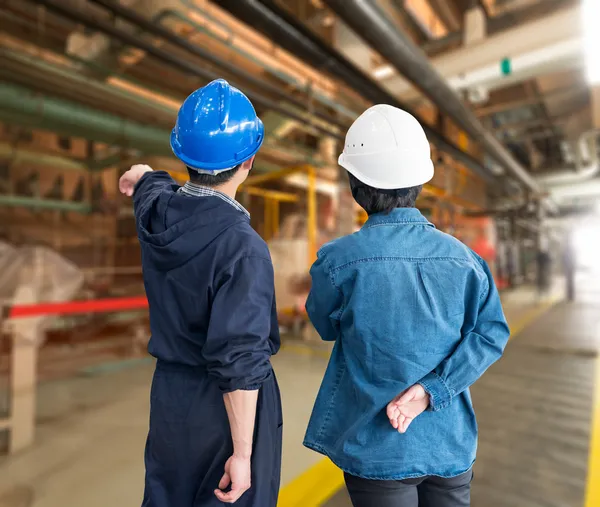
440 395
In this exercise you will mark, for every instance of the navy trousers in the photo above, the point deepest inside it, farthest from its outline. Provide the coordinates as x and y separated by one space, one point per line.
189 441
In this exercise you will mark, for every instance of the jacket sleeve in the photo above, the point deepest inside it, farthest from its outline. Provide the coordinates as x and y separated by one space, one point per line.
148 187
237 348
482 344
324 303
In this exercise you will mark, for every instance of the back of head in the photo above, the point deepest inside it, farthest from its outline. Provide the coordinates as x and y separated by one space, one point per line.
217 130
388 158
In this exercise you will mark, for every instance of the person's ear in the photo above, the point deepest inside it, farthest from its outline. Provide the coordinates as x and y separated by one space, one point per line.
247 165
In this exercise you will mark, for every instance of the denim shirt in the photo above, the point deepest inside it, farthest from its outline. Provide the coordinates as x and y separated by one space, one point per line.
405 304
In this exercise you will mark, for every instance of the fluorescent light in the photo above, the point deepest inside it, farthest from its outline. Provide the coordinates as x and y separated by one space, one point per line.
590 10
383 71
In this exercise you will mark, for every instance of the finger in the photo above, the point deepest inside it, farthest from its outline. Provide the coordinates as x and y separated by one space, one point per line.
392 411
400 423
231 496
129 191
406 424
225 481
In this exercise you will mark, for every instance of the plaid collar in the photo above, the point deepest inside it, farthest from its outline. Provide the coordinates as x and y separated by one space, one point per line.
194 190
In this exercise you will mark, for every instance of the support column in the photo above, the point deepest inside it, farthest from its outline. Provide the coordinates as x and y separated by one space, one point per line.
23 375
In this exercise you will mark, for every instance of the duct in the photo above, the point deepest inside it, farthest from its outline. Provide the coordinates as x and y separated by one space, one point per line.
544 44
167 57
266 17
568 177
24 107
366 19
156 29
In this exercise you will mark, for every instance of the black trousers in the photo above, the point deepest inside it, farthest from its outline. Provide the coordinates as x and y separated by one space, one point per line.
427 491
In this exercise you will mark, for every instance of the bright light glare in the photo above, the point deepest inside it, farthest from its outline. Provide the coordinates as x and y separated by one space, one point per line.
591 39
586 241
383 71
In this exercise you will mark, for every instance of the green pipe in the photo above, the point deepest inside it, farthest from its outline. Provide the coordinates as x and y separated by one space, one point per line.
28 108
22 156
68 75
36 203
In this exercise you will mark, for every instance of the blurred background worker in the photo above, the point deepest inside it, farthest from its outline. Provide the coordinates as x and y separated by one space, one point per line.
416 319
215 417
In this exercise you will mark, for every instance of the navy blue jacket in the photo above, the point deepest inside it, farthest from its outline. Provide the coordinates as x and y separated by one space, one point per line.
209 282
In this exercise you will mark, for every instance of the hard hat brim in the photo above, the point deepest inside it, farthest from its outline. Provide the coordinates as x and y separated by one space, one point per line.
422 170
221 165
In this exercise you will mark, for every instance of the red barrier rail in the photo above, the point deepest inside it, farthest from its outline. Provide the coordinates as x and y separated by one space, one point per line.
78 307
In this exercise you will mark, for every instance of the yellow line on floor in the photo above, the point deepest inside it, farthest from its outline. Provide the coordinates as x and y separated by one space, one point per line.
530 317
592 494
314 487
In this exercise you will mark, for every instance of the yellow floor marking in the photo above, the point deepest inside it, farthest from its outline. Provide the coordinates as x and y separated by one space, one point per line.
592 494
530 317
321 481
314 487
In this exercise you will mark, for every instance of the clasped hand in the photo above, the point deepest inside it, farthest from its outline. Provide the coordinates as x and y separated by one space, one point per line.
405 407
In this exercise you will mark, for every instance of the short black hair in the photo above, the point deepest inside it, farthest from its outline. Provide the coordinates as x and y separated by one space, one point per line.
375 200
212 180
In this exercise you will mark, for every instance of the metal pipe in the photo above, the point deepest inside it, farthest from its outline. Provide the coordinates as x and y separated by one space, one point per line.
23 156
367 20
228 40
35 203
237 71
266 17
25 107
167 57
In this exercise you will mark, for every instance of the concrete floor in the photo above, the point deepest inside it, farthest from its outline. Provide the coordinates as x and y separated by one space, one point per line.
533 409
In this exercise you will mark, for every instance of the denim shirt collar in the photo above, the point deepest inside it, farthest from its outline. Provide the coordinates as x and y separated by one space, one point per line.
398 216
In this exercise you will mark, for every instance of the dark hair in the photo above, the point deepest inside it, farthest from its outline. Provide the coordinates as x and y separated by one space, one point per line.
375 200
211 180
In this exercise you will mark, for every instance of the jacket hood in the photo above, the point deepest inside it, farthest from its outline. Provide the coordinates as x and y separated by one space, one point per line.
173 227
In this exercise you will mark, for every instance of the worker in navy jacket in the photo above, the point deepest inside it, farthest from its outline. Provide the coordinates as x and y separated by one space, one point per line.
215 416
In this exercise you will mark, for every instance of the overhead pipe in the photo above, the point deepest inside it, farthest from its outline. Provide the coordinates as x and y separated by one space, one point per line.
67 82
18 155
51 204
149 26
227 40
173 60
370 23
25 107
269 19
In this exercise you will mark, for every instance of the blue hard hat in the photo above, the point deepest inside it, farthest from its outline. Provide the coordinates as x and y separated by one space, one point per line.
217 129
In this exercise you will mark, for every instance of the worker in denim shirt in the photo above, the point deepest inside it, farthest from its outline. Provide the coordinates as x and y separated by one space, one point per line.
416 319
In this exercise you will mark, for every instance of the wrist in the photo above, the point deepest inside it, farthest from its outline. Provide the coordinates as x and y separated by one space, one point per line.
245 455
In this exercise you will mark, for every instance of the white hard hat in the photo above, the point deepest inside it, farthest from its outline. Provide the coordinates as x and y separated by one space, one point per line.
387 148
